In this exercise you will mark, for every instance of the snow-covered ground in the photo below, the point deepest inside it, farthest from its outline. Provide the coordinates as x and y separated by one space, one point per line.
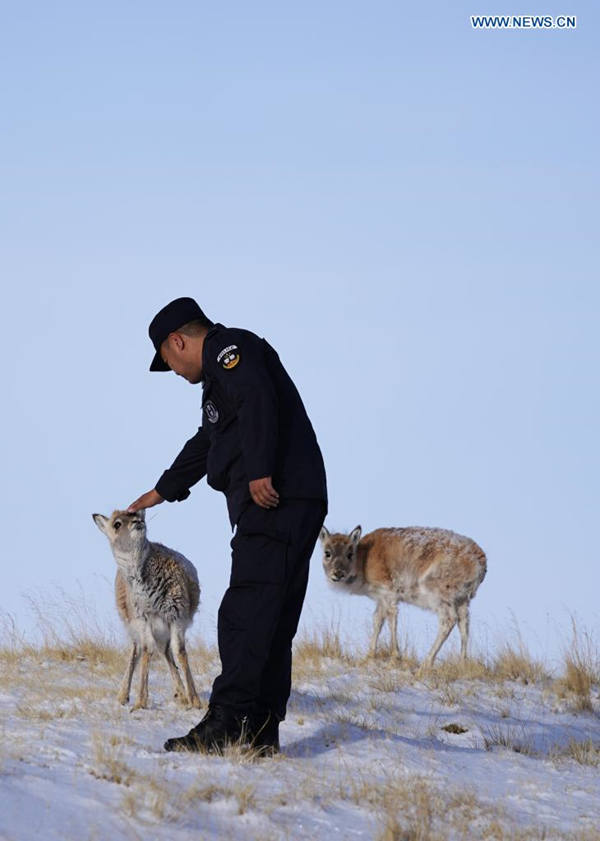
370 751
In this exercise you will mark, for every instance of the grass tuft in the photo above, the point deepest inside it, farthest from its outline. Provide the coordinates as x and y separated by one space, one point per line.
582 670
516 663
511 738
584 752
108 761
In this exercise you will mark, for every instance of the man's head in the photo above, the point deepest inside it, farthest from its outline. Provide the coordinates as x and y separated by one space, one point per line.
177 333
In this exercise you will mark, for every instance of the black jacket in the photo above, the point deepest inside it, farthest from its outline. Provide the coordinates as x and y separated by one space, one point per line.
254 424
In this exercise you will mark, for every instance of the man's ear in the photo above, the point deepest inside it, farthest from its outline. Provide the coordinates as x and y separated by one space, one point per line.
102 522
323 534
176 340
355 534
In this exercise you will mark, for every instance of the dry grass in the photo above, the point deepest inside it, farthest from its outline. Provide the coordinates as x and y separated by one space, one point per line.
70 631
511 662
514 662
47 712
150 794
325 643
407 658
581 670
513 738
410 808
69 625
152 797
584 752
108 763
312 650
388 680
403 806
67 630
322 642
204 659
578 681
419 826
243 794
455 668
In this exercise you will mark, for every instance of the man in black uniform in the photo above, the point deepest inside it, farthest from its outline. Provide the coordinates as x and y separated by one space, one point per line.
257 445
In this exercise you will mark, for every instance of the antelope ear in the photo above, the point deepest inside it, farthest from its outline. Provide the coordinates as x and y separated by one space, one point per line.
141 513
355 534
101 521
323 534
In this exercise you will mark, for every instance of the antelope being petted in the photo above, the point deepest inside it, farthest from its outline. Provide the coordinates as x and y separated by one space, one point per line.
157 594
435 569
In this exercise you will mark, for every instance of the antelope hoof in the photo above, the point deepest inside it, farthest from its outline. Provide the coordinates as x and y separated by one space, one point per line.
123 700
139 706
196 703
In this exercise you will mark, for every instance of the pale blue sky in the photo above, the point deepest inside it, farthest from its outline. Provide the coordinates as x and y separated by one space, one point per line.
405 207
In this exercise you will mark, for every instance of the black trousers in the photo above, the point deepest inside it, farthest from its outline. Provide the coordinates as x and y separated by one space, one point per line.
259 614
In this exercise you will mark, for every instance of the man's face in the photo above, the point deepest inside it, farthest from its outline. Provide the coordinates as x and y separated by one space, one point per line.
183 355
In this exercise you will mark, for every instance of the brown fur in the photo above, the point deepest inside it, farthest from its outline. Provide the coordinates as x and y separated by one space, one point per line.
435 569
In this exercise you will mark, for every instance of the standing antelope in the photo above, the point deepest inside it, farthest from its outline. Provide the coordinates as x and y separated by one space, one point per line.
435 569
157 594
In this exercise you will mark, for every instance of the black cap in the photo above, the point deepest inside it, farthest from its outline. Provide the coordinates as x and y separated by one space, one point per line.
171 318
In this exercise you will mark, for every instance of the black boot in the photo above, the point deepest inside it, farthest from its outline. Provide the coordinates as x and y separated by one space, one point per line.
263 735
221 726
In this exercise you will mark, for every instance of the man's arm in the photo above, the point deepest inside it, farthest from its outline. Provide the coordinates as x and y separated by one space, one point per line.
175 483
248 382
187 469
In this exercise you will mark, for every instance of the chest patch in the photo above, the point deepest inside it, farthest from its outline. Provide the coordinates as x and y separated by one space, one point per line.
229 357
212 413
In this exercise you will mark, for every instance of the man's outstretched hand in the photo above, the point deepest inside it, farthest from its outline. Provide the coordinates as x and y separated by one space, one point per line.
261 490
263 493
146 500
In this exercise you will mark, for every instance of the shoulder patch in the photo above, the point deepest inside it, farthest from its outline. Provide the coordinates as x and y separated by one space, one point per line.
229 357
212 413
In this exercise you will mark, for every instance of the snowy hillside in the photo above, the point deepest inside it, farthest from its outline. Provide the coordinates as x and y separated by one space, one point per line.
371 750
